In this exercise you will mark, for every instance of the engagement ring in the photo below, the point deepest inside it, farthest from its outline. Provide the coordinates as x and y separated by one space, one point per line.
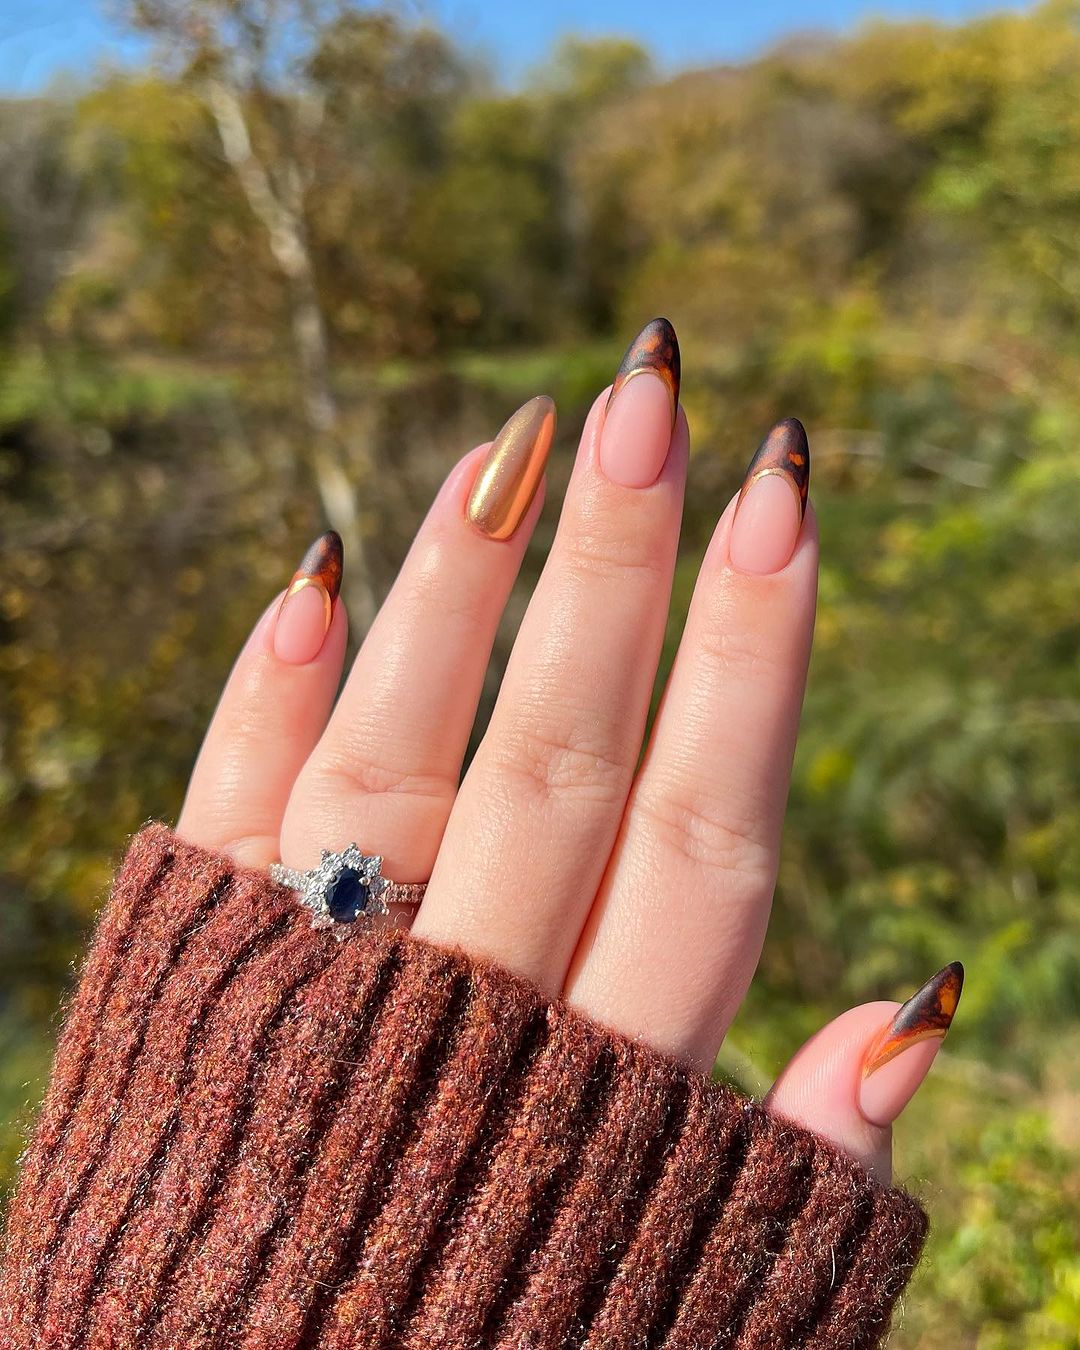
345 887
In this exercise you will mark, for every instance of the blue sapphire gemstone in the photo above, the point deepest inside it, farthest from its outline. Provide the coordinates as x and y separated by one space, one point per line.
347 896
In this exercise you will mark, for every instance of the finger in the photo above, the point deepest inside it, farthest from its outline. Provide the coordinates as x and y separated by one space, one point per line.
819 1088
386 770
675 935
855 1077
272 712
538 811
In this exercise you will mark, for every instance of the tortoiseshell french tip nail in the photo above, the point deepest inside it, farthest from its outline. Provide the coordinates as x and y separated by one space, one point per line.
927 1015
785 451
320 566
654 351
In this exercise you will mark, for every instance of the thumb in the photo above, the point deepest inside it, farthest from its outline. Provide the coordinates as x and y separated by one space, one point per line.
852 1079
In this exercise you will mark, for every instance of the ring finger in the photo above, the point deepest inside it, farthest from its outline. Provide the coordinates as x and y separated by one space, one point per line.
385 772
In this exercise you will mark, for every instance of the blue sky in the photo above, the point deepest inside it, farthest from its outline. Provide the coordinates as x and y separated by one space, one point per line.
50 38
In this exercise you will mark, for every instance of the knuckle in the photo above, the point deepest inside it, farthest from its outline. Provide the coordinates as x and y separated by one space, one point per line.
735 652
596 554
696 828
564 763
252 850
366 778
438 594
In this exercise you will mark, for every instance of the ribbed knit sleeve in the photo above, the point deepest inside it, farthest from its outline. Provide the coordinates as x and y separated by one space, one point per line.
257 1136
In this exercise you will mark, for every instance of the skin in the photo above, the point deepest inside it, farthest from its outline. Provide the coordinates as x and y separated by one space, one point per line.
637 886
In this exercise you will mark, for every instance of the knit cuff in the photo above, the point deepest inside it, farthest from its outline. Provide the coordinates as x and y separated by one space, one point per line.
259 1137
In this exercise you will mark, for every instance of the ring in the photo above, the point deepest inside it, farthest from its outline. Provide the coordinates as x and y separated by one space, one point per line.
345 887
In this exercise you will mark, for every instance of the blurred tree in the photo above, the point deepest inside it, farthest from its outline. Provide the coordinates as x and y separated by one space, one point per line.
876 233
42 210
170 260
392 91
581 80
584 74
262 67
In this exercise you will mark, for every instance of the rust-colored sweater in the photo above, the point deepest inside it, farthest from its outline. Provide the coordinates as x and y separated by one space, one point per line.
257 1136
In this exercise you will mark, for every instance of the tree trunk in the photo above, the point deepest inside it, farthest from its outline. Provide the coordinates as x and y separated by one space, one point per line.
281 215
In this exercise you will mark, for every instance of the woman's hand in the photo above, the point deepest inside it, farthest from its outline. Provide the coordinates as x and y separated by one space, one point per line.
639 887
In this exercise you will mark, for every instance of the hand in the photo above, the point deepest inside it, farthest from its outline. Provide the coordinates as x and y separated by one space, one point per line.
639 891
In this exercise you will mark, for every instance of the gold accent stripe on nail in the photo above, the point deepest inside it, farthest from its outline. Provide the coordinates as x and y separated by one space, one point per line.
300 583
784 451
324 561
927 1015
774 473
655 351
624 380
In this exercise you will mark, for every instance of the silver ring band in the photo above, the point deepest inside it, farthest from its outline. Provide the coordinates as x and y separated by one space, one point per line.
396 893
346 887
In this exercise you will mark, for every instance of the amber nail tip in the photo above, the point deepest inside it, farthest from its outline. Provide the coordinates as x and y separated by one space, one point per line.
323 563
785 451
790 426
927 1015
655 350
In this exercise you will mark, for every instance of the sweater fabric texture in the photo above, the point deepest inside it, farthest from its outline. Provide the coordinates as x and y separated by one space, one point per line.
259 1137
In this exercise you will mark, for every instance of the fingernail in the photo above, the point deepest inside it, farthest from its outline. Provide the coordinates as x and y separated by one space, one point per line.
900 1058
640 413
512 470
303 618
772 503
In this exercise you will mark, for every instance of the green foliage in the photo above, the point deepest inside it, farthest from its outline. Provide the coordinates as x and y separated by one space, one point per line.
877 234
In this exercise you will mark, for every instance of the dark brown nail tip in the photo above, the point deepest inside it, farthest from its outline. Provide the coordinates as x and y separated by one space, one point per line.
784 451
926 1015
323 562
655 349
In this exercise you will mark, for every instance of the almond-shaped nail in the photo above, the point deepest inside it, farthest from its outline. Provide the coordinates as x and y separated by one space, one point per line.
772 503
655 351
640 413
900 1058
307 607
512 470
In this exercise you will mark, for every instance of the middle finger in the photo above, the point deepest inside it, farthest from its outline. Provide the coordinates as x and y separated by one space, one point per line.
538 812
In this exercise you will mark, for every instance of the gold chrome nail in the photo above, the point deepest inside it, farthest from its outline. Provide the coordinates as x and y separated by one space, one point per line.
926 1015
655 351
321 567
512 469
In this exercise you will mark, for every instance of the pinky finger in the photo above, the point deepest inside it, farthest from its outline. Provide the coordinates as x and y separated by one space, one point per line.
272 712
852 1080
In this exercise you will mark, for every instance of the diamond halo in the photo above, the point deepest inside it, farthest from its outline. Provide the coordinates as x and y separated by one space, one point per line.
336 869
346 887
